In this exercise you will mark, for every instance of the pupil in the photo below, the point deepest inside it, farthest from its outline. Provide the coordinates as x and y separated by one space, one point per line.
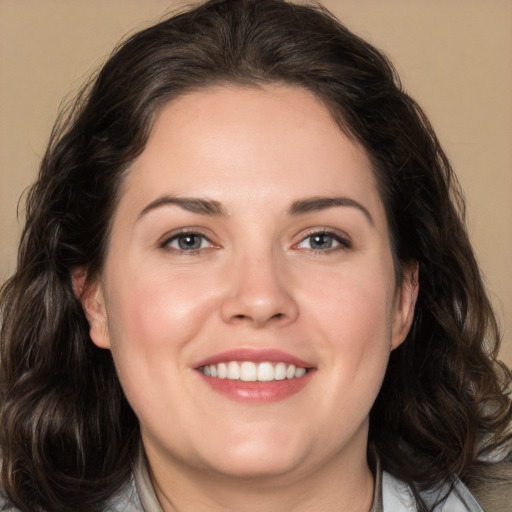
189 242
321 242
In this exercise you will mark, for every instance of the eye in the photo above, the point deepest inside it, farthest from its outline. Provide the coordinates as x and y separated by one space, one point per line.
188 242
323 241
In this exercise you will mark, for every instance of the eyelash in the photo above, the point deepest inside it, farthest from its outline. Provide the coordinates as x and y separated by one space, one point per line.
166 244
343 242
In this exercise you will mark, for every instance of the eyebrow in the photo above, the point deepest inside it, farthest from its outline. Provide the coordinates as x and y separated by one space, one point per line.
191 204
216 209
315 204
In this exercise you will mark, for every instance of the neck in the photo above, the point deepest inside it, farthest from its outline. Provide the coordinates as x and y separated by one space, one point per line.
343 483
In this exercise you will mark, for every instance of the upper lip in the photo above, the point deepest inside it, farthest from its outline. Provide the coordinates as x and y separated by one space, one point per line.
256 355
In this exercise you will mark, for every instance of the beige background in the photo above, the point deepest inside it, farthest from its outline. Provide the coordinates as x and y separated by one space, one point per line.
454 56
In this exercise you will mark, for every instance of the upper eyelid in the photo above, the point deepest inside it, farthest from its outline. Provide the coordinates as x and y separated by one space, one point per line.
189 230
164 240
339 235
325 231
343 240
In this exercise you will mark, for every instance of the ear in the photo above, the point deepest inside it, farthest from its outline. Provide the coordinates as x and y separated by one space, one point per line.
404 304
90 295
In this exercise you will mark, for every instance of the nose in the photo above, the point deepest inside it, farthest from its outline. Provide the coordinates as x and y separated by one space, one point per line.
259 293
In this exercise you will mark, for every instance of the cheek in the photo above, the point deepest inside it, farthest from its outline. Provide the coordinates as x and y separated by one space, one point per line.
155 310
357 333
154 318
356 300
353 313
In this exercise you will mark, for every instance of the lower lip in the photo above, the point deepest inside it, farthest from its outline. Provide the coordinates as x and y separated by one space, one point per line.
258 392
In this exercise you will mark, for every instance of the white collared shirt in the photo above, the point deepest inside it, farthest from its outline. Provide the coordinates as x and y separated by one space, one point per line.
397 497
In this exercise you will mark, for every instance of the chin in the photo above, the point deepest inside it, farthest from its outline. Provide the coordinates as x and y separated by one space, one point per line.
257 460
257 468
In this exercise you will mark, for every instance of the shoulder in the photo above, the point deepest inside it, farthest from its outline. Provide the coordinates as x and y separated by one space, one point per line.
492 486
490 479
5 504
398 497
126 500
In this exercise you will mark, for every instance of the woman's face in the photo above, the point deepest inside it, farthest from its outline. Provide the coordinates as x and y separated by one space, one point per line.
250 241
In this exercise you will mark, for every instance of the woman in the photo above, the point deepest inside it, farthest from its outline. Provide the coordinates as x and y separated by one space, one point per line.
244 284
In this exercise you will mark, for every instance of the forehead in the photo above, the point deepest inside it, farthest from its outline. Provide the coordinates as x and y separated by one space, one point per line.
274 143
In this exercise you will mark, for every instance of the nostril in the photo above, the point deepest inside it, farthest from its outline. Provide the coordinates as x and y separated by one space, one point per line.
242 317
257 309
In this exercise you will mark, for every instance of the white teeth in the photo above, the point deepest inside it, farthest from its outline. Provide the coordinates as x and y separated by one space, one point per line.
265 372
280 371
299 372
249 371
222 371
233 370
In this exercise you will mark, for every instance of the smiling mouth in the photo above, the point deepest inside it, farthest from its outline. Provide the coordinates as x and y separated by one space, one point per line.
256 375
249 371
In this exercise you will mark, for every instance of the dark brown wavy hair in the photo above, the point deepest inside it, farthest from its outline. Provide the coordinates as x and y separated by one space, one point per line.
68 436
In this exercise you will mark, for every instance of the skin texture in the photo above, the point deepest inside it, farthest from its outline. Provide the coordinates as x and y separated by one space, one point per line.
256 282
